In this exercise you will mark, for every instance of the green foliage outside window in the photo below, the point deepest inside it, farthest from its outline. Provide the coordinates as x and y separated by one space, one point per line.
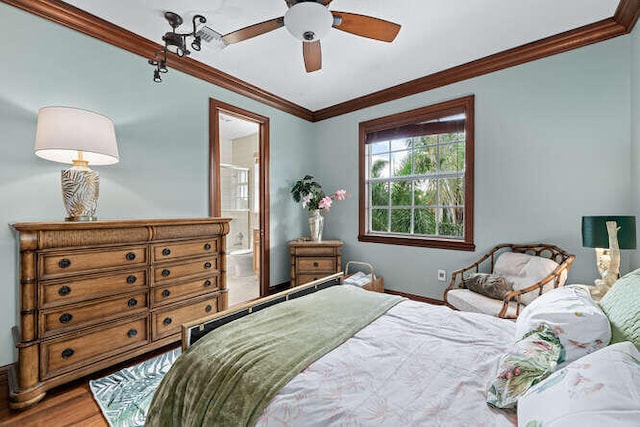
436 200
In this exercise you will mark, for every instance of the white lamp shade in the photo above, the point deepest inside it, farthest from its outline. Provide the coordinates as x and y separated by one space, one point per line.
308 18
63 131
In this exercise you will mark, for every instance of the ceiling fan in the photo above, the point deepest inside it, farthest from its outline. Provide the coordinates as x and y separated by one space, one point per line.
310 20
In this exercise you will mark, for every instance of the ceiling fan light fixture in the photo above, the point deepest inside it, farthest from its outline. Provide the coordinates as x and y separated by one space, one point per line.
308 21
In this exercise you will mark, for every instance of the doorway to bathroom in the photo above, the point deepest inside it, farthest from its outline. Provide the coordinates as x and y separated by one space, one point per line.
239 191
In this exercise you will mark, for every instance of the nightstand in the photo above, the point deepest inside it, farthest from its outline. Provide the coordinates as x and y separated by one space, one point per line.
312 260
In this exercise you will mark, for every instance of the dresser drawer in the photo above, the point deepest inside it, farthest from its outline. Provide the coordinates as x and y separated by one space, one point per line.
313 265
170 294
70 291
65 318
168 321
58 356
71 262
306 278
170 251
170 272
315 251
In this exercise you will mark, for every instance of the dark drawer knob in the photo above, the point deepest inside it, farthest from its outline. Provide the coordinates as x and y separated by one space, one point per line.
207 246
65 318
208 308
207 264
166 252
315 264
132 302
130 256
167 321
131 279
166 272
64 263
64 291
207 283
132 333
166 293
67 353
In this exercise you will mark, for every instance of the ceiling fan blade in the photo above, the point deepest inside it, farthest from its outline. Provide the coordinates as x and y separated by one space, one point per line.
322 2
254 30
312 56
366 26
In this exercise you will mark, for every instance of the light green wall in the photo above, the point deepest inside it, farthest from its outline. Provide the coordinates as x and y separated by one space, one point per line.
634 125
162 132
552 144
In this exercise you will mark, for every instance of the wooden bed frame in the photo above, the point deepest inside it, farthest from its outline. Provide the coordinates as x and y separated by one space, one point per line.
193 331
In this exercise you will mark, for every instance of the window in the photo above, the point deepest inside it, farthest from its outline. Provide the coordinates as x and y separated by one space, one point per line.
416 177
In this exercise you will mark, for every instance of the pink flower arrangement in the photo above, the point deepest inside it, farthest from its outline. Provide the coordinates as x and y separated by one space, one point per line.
310 194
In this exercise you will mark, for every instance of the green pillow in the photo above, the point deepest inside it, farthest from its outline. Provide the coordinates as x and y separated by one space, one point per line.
622 306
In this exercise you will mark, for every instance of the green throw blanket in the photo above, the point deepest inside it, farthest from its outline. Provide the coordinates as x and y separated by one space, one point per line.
228 377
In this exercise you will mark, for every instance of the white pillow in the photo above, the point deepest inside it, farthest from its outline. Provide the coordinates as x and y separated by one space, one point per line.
601 389
522 271
573 316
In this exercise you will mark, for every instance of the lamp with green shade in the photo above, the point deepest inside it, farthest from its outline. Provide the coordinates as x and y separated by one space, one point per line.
608 234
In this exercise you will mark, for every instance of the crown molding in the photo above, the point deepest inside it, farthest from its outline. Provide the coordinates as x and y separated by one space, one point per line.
627 14
621 23
77 19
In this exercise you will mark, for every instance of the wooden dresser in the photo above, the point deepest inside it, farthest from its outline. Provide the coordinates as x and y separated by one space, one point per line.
312 260
93 294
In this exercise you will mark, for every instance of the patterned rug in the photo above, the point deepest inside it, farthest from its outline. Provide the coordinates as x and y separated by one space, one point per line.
124 396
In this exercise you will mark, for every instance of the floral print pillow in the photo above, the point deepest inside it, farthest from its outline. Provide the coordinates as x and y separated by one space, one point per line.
533 358
600 389
573 316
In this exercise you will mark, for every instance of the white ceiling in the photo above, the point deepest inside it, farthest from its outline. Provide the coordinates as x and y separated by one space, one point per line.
435 35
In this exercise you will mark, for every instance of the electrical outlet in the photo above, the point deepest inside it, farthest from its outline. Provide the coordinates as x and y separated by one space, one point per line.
442 275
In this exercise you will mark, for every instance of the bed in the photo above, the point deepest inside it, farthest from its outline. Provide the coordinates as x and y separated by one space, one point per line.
406 363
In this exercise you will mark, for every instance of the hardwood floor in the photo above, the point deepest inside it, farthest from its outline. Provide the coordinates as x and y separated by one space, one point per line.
68 405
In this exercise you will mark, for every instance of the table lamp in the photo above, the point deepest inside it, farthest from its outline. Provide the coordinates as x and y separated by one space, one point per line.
608 234
77 137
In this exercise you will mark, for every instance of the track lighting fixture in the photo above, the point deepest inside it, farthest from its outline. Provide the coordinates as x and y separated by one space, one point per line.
176 43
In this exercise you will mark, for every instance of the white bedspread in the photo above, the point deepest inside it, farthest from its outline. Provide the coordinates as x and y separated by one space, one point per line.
417 365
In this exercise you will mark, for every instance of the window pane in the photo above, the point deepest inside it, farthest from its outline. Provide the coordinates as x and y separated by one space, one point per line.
401 221
401 163
380 194
451 137
425 160
379 166
451 192
401 193
424 192
380 220
401 144
452 157
451 222
379 147
424 221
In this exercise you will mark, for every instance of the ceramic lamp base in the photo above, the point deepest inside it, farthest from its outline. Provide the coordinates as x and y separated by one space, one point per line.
80 190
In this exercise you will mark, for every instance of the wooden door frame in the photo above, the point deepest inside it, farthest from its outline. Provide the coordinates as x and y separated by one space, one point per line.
215 108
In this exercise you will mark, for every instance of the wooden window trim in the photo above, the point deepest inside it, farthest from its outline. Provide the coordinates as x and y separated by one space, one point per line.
407 118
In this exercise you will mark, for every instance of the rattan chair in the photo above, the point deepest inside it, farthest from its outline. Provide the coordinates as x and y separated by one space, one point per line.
458 297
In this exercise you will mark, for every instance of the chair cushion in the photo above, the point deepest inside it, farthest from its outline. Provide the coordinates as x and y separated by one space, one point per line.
490 285
622 306
522 271
601 389
467 300
573 316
